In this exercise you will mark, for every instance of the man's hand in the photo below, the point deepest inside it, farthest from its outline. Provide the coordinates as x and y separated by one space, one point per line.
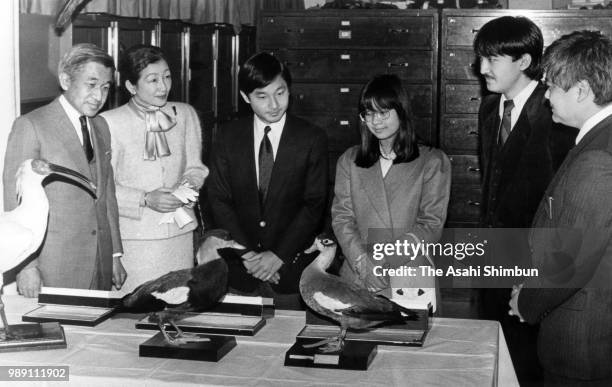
162 200
266 265
514 311
119 273
29 282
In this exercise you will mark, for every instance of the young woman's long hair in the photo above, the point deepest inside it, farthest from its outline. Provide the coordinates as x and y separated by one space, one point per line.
382 93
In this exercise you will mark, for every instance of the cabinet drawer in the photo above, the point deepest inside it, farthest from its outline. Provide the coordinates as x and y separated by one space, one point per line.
342 129
325 97
555 27
461 30
316 31
462 98
465 169
357 65
464 205
345 97
460 64
460 134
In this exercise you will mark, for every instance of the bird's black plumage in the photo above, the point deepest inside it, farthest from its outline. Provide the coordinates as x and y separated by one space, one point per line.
197 289
207 283
170 296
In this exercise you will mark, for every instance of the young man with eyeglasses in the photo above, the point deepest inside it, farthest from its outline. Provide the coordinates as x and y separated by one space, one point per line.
268 185
520 150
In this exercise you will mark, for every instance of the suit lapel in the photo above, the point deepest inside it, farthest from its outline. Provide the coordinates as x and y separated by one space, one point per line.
67 135
575 151
374 186
246 161
567 162
490 127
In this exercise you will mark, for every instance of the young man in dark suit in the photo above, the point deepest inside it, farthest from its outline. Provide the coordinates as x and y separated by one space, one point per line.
571 238
520 150
268 185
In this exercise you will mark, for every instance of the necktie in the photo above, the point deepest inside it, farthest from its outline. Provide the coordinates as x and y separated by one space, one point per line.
87 148
506 123
266 163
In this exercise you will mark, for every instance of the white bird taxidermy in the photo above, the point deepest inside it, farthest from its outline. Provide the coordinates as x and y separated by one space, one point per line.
24 228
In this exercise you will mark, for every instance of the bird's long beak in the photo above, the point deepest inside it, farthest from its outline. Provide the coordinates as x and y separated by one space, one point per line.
75 176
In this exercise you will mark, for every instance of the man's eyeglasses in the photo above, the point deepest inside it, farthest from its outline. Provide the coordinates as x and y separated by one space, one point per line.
370 116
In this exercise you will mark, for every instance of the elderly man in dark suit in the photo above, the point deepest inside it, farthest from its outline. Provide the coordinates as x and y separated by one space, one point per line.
82 248
268 184
571 238
520 150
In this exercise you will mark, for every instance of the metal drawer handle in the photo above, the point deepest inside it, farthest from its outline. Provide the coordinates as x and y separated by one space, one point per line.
473 65
404 64
300 96
475 30
289 30
473 133
399 30
473 169
474 98
473 203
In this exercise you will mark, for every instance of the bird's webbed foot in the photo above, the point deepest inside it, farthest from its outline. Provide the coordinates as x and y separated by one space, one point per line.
329 345
181 337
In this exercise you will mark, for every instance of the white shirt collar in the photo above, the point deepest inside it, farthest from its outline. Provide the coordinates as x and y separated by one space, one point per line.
73 116
276 127
593 121
276 130
519 101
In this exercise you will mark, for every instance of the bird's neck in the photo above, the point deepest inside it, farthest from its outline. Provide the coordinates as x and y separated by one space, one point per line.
34 205
323 260
35 197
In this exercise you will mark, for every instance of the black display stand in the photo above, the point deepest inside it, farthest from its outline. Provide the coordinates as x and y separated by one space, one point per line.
212 350
355 355
33 337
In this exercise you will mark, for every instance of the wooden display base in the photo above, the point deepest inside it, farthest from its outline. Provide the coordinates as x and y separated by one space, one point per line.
214 324
355 355
33 337
212 350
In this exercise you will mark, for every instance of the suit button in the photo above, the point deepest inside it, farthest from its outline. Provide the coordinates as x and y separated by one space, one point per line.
262 224
259 245
93 232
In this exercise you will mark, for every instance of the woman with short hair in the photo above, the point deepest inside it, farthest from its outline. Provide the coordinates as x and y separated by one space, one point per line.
156 150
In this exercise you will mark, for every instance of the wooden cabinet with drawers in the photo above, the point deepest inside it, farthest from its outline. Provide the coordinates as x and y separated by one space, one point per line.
461 92
332 53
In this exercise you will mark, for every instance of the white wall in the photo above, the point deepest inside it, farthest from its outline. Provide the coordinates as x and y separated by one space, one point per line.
9 74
